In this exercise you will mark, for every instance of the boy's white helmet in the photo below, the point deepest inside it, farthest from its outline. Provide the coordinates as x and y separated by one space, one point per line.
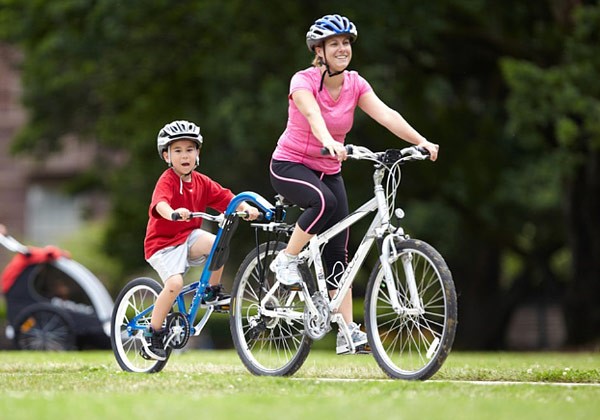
177 130
330 25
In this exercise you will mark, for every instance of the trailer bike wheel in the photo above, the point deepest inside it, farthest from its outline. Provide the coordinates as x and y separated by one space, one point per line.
130 317
413 340
267 345
43 326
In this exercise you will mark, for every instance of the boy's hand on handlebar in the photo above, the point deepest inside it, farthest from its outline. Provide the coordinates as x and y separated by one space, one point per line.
432 148
251 211
181 214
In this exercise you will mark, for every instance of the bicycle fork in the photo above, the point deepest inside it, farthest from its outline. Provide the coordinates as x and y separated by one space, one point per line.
389 254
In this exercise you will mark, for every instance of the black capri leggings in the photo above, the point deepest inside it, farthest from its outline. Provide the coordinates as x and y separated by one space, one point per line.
324 200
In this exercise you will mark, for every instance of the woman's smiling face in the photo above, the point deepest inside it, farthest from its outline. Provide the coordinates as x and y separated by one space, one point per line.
337 51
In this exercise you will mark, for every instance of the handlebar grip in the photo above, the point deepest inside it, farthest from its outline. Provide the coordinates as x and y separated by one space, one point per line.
244 215
325 150
423 150
175 216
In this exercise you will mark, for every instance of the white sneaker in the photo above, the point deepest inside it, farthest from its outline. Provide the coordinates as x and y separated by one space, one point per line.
359 338
285 268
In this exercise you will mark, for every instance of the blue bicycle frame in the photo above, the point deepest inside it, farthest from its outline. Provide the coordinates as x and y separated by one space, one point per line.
226 228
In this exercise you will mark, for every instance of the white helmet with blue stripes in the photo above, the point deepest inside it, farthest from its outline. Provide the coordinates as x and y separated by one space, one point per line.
327 26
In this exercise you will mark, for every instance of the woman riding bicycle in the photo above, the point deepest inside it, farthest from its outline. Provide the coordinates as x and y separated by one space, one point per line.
322 100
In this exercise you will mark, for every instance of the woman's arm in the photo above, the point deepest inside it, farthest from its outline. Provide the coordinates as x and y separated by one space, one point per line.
308 106
393 121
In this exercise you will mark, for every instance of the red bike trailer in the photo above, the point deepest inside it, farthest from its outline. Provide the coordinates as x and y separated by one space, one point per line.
52 301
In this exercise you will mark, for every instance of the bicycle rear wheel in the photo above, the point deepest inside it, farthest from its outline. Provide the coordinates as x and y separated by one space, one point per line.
408 343
269 346
136 297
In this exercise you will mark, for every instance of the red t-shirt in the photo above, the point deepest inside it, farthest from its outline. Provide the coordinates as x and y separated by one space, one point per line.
197 195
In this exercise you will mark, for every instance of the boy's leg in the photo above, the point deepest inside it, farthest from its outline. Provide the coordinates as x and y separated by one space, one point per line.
164 302
200 248
215 277
154 336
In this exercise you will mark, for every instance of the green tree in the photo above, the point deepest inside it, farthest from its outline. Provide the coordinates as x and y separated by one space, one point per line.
555 111
114 72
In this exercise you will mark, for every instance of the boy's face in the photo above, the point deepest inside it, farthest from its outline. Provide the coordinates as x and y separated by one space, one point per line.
183 156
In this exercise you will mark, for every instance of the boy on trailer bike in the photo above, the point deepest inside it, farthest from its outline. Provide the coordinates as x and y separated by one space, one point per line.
171 247
322 100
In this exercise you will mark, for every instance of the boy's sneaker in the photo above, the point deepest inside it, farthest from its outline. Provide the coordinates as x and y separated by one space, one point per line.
285 268
214 295
154 344
359 338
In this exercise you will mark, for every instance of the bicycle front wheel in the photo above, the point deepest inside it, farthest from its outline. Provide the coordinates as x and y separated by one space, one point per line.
267 345
412 340
125 335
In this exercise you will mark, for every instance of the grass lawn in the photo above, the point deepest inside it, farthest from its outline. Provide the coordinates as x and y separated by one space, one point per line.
214 384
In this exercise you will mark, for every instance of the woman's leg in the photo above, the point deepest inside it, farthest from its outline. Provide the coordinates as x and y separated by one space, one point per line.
335 253
305 188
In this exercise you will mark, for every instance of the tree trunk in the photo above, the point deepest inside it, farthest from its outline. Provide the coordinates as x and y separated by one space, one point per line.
582 301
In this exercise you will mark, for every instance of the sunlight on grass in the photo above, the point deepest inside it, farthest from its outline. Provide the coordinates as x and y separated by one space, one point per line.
90 385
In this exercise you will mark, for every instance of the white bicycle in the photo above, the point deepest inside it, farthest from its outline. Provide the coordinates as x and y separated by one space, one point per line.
410 300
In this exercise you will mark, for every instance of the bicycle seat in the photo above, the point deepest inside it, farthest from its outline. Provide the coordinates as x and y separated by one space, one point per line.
281 200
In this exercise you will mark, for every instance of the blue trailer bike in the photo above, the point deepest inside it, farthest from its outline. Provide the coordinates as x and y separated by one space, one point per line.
134 304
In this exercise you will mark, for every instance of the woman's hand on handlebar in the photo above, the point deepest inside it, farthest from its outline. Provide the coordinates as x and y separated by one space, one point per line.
432 148
337 149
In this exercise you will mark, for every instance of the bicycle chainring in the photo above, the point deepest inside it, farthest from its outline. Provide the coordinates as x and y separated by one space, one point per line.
316 325
178 330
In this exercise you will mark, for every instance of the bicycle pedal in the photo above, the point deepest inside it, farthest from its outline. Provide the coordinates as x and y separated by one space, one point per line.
363 349
296 287
223 309
144 354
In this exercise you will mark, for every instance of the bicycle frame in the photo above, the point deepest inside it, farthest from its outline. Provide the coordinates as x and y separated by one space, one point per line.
198 288
380 229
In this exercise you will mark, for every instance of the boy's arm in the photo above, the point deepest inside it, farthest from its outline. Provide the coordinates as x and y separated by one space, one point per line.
252 211
165 210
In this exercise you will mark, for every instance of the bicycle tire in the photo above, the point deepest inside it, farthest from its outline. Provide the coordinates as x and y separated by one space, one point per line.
266 346
135 297
412 346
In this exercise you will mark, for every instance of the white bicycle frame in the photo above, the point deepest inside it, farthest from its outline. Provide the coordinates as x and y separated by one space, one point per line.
380 228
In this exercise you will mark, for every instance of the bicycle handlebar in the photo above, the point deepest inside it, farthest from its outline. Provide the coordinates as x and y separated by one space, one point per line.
213 218
387 156
12 244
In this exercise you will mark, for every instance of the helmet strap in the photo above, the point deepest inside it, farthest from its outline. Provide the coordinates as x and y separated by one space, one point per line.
329 73
323 61
169 156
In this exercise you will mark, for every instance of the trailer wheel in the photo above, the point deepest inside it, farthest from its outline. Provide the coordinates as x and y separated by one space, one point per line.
43 326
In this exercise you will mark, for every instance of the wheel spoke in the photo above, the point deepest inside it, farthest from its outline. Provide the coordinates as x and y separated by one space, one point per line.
413 342
267 345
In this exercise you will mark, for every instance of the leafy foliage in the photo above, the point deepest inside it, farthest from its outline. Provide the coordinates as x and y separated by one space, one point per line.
114 72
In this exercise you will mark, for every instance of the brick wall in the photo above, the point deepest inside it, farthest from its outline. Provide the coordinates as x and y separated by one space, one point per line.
13 172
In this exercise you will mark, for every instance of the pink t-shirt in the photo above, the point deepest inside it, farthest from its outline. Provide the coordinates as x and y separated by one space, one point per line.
297 143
